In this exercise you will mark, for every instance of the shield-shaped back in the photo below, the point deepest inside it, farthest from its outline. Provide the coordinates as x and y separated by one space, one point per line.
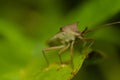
71 27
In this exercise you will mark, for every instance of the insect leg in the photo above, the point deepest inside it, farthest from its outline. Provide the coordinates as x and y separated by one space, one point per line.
61 51
71 54
84 41
92 41
49 49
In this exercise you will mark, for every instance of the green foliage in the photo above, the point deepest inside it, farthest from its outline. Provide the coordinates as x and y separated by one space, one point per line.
25 26
56 71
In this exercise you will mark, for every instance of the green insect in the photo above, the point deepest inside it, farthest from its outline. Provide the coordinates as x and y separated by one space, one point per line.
67 37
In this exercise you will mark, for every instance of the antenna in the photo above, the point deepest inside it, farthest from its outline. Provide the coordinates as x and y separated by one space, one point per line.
101 26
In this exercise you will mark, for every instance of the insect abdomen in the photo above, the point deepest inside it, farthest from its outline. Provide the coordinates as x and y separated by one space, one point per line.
61 38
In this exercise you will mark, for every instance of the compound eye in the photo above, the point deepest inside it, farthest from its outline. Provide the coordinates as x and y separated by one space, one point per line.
61 29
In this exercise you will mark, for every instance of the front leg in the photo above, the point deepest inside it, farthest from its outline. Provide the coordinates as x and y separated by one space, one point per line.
49 49
71 54
89 39
85 40
61 51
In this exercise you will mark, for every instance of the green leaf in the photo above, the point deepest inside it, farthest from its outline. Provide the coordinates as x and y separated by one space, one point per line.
56 71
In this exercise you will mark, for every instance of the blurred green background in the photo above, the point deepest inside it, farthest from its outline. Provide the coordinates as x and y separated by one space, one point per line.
26 25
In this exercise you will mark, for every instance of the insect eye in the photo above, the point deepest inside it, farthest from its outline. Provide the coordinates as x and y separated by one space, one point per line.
61 29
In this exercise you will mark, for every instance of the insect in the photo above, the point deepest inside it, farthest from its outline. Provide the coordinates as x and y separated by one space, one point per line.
66 38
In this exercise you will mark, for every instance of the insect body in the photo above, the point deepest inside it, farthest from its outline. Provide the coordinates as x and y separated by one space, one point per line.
66 38
63 40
